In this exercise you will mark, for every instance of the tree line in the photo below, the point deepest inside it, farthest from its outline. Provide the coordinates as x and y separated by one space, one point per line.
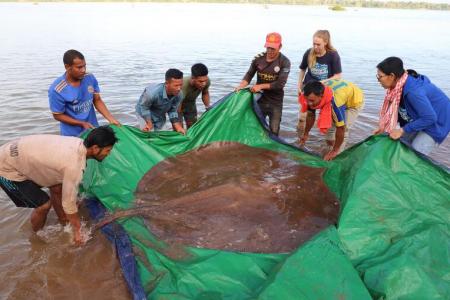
343 3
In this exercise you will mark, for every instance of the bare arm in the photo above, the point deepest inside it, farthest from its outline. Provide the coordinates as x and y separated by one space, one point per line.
335 76
303 68
258 87
205 97
101 108
241 85
72 177
61 117
301 76
74 220
148 125
173 115
338 140
310 119
178 127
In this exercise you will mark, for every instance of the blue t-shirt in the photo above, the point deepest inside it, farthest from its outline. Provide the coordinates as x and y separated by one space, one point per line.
76 102
326 66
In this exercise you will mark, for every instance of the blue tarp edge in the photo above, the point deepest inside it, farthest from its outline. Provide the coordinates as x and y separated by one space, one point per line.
117 235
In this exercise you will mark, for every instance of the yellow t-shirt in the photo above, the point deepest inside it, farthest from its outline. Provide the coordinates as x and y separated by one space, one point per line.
346 93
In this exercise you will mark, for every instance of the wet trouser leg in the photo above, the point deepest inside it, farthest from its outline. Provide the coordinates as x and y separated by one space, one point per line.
275 120
351 114
421 142
274 113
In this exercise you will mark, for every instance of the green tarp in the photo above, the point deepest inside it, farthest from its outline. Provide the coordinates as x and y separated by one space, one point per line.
391 242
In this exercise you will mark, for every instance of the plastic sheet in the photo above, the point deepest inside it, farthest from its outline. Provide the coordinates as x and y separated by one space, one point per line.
392 238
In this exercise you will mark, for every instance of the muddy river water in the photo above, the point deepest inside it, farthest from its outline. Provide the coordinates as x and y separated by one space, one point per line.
126 51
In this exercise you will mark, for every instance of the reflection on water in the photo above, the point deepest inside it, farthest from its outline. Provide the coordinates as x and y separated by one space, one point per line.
129 45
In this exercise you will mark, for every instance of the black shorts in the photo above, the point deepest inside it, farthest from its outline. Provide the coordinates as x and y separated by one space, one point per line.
24 193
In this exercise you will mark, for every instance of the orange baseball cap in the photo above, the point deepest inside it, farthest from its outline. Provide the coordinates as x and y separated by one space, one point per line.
273 40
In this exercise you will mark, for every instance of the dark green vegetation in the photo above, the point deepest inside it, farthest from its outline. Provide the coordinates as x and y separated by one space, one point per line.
337 7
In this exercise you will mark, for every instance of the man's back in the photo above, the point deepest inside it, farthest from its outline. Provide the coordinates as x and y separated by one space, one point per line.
346 93
45 159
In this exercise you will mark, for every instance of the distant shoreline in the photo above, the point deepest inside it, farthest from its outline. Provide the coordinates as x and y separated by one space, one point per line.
329 3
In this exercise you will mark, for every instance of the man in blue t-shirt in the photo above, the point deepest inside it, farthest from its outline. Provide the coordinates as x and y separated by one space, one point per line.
74 95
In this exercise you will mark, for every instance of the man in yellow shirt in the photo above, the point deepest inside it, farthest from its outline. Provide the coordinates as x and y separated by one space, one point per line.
339 102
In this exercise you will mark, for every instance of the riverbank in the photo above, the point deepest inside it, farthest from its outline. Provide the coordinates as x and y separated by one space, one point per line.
342 3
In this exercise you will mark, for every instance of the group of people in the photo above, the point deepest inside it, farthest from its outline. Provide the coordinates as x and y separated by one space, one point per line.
176 97
57 162
424 120
421 108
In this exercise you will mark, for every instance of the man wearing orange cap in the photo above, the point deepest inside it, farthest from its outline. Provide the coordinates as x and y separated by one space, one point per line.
272 69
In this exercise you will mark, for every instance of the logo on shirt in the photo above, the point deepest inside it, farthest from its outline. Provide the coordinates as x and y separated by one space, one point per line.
81 107
404 114
320 71
90 89
267 77
276 69
14 149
